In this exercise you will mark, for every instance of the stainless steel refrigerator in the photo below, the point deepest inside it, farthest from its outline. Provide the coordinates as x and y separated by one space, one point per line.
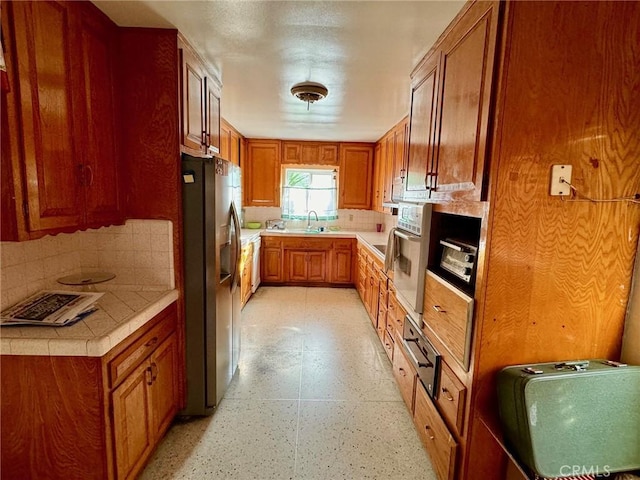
211 202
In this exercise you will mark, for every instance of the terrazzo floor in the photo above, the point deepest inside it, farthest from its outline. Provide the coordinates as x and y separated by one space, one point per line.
314 398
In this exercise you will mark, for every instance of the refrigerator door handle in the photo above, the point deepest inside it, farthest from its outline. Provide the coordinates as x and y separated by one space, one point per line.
236 261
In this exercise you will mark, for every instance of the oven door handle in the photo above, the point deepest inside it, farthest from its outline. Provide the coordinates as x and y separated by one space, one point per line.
413 355
411 238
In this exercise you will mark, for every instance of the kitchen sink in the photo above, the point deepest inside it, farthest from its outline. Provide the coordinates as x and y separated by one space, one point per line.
381 248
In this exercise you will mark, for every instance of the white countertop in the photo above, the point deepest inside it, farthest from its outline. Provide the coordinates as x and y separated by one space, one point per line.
119 314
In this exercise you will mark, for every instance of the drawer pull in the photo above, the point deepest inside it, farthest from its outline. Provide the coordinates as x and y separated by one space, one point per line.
151 342
439 309
402 372
429 430
447 395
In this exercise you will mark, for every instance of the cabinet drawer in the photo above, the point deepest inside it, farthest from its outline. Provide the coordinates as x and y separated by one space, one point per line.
342 244
405 375
450 399
132 356
273 242
388 344
435 436
448 313
307 243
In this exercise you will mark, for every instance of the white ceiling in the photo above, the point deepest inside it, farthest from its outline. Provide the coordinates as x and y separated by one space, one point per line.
362 51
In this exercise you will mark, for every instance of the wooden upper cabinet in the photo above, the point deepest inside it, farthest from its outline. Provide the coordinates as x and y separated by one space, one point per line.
378 178
389 148
261 176
234 148
356 173
212 114
62 135
467 61
225 140
48 67
309 153
291 152
193 101
399 169
421 127
101 162
200 104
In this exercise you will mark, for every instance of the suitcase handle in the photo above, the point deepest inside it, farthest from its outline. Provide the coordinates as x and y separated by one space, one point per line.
577 365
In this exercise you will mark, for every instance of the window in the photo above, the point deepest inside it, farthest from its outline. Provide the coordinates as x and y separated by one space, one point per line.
310 189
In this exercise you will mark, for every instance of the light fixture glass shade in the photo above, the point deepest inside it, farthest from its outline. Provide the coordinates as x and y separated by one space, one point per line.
309 91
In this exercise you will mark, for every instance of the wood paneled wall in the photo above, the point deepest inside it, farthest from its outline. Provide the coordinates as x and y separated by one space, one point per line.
559 272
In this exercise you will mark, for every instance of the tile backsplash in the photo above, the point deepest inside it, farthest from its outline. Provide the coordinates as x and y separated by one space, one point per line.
139 253
357 220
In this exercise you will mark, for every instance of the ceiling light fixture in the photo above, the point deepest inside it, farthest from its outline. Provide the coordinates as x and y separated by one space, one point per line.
309 92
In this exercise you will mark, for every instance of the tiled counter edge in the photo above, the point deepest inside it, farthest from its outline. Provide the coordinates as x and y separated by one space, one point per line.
85 347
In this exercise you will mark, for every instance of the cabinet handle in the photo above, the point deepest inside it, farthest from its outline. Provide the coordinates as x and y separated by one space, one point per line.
149 375
429 430
447 395
203 140
402 372
151 342
439 309
90 170
154 371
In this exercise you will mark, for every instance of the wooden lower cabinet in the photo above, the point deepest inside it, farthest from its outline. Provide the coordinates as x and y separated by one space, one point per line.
90 417
434 434
302 260
405 374
143 407
305 266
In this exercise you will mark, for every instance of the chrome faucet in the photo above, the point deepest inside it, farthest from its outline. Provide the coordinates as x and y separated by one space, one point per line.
309 218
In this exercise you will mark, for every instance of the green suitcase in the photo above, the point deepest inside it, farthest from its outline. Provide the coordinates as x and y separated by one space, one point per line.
572 418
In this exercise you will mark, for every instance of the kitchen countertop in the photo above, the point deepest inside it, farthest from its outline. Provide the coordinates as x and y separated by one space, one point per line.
249 235
119 314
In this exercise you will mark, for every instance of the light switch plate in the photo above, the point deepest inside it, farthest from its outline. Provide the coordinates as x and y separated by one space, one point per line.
559 172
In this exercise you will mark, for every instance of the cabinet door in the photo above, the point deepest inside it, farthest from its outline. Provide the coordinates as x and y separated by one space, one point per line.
225 140
132 431
234 147
356 172
389 158
434 435
405 376
271 265
400 144
467 71
291 152
262 174
297 268
341 266
422 128
49 77
378 179
310 153
328 154
213 116
103 199
193 101
163 391
317 266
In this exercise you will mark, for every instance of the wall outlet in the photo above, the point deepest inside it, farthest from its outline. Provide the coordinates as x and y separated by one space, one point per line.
559 175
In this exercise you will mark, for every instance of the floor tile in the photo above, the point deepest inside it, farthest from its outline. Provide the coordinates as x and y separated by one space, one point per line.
266 375
244 439
272 337
347 375
359 440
